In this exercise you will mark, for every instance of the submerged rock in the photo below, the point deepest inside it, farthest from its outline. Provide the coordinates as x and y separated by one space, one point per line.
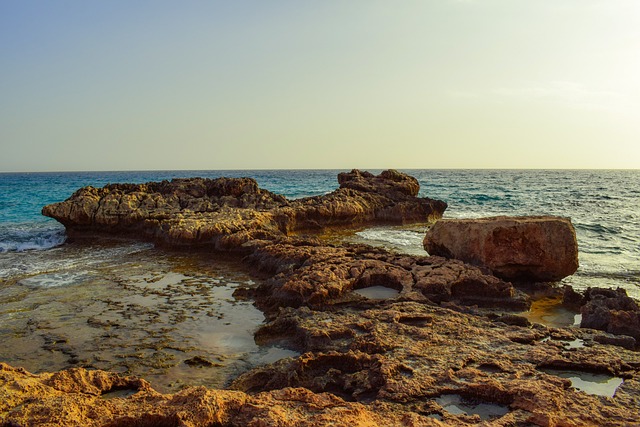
514 248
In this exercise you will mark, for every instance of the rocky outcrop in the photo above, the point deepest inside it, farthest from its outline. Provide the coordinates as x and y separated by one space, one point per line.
514 248
609 310
228 212
408 355
304 272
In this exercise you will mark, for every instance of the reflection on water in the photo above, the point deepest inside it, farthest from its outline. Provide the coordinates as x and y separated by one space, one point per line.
133 309
550 312
597 384
457 405
377 292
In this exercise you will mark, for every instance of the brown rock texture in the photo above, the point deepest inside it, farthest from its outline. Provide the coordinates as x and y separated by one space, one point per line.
383 365
609 310
79 397
391 361
315 275
542 248
228 212
408 354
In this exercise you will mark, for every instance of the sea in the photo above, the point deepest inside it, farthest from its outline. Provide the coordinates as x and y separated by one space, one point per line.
173 316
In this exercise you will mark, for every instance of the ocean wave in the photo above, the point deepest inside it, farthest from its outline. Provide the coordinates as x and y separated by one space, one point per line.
632 276
25 238
598 228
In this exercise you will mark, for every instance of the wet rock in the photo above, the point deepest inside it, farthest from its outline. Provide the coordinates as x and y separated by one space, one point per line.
514 248
384 364
512 319
571 298
350 375
362 362
200 362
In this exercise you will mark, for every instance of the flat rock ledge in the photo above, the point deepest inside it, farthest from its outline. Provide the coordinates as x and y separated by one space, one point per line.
529 248
449 332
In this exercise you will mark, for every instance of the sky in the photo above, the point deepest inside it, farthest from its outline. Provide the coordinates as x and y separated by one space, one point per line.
324 84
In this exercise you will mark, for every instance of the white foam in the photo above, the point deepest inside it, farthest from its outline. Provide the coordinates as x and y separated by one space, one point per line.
395 237
22 238
54 280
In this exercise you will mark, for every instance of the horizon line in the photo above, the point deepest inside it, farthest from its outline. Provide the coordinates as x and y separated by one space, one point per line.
325 169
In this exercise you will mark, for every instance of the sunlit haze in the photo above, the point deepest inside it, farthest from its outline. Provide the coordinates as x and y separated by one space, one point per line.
135 85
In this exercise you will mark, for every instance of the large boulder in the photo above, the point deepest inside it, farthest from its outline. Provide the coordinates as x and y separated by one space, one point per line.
542 248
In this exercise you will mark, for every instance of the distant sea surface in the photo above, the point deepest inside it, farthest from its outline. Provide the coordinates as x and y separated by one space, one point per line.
604 206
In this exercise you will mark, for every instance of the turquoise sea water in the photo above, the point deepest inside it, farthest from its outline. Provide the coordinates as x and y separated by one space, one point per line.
604 207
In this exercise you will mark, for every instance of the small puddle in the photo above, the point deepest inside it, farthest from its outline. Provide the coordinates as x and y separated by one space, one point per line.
377 292
550 312
597 384
457 405
122 393
273 354
577 343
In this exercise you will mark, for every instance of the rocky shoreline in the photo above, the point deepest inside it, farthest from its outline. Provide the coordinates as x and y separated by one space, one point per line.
445 347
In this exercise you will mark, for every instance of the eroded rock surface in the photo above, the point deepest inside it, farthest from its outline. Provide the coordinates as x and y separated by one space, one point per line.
385 365
514 248
308 273
408 354
392 361
228 212
84 398
609 310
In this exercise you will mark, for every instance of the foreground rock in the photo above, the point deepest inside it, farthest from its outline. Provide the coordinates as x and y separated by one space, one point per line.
413 356
395 364
228 212
82 398
514 248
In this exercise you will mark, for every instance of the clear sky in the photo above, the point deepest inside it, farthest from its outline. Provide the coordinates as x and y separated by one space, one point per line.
155 84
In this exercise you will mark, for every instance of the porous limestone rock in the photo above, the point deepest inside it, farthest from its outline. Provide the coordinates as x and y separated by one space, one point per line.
538 248
382 365
84 398
406 354
609 310
229 212
309 273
